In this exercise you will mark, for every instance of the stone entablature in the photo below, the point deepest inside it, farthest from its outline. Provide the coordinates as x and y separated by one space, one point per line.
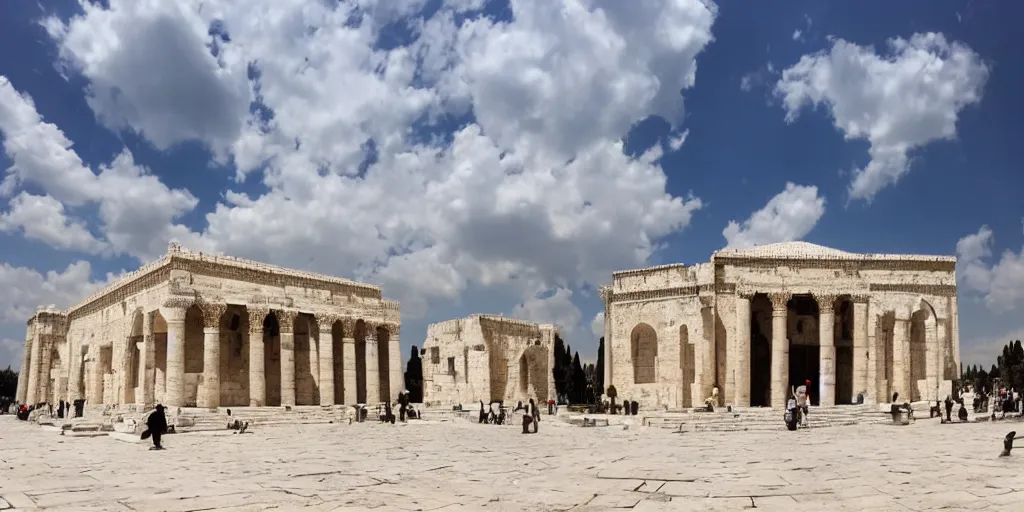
895 326
157 335
489 358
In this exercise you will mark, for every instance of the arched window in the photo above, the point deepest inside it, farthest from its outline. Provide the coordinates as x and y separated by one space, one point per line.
644 347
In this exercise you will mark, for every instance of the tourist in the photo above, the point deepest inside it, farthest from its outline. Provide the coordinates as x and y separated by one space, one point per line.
802 400
962 413
527 418
536 415
949 408
483 413
403 404
156 426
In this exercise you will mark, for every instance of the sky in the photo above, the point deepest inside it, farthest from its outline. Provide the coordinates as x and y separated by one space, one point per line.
507 156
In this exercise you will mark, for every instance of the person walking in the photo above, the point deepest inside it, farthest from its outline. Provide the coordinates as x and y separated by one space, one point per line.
156 426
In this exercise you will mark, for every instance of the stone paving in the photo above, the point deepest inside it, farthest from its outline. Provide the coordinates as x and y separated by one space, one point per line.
464 466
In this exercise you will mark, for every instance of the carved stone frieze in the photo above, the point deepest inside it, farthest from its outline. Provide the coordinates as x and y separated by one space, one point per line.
179 302
848 265
922 289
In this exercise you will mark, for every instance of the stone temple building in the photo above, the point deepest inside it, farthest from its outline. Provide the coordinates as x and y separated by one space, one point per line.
193 329
755 322
489 358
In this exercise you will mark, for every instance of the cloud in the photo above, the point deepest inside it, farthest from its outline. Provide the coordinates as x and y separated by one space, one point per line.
983 351
470 154
1000 283
597 325
43 218
898 102
553 307
136 210
788 216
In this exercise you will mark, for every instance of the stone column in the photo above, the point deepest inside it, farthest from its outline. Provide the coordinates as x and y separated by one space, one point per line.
147 366
348 362
95 375
397 374
901 354
210 393
780 350
742 370
372 365
34 367
173 312
861 362
827 348
931 356
24 371
257 364
75 391
606 297
707 371
955 331
325 324
45 367
286 323
875 353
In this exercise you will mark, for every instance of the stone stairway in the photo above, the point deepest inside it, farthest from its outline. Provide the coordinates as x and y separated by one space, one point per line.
762 419
197 419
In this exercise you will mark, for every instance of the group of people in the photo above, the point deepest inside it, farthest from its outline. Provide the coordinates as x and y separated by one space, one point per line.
386 412
495 414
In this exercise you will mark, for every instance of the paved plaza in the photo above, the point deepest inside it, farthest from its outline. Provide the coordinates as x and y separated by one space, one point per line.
463 466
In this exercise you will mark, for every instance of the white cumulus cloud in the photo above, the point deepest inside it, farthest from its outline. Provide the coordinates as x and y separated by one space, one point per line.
788 216
897 101
999 282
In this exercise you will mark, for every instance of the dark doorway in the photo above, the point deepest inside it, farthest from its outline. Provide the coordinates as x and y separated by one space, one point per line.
760 351
805 364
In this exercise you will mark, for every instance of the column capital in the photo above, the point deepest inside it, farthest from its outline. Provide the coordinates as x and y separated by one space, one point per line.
173 310
860 298
325 321
745 294
826 302
256 316
348 327
706 300
780 300
394 329
606 294
286 320
212 311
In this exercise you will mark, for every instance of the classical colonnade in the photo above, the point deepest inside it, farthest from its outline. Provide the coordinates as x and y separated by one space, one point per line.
894 349
189 353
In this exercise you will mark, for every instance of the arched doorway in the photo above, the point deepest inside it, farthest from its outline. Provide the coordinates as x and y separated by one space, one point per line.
234 357
644 351
307 361
338 344
134 356
360 335
272 359
687 366
384 362
842 335
760 351
193 354
804 345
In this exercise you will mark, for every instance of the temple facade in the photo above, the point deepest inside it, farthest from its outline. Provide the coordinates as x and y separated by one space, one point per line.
755 322
192 329
490 358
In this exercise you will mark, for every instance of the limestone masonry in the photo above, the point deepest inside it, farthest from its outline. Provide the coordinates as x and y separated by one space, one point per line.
755 322
489 358
193 329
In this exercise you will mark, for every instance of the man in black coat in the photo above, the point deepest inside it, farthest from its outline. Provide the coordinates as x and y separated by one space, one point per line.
156 424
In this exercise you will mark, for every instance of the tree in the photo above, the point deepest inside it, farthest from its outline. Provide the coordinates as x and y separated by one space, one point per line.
579 381
8 383
414 376
599 368
560 370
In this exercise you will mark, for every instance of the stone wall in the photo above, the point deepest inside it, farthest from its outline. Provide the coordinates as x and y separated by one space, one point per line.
488 358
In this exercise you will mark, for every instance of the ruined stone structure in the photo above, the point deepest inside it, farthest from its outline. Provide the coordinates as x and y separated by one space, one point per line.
754 322
192 329
489 358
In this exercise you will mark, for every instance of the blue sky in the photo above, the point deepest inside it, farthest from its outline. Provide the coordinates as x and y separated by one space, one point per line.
507 157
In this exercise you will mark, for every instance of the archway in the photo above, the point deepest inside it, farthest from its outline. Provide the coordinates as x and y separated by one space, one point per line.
760 351
644 349
160 357
842 336
918 367
134 355
307 363
384 362
804 344
272 359
193 353
687 366
884 345
234 357
360 335
338 344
